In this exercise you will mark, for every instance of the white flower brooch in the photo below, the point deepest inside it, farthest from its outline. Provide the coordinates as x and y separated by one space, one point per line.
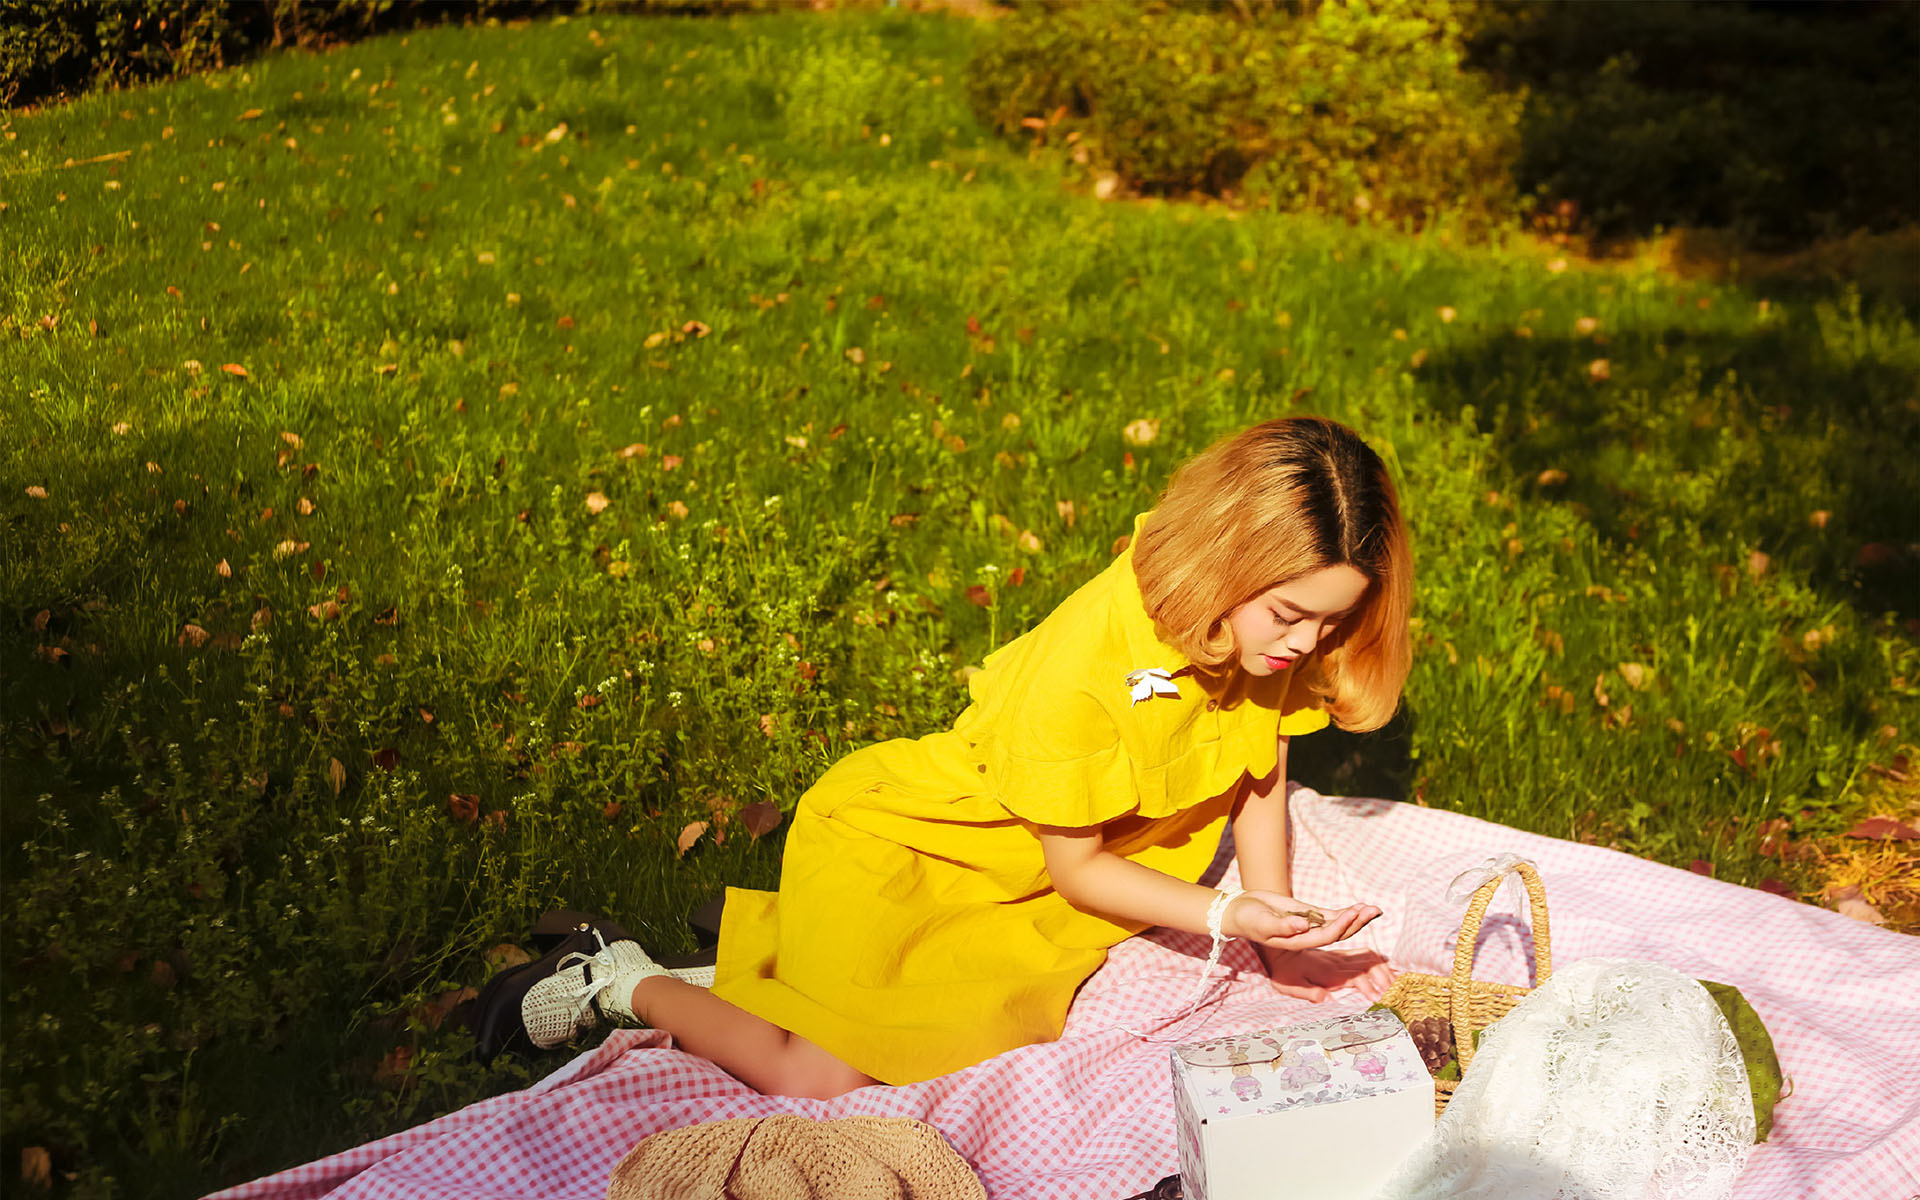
1149 682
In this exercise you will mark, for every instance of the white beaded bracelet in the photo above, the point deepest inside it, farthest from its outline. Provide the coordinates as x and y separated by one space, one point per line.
1216 917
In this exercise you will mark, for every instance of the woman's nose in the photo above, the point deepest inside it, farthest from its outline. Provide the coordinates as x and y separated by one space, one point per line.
1301 642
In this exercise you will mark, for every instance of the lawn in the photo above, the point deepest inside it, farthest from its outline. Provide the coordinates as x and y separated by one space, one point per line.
468 472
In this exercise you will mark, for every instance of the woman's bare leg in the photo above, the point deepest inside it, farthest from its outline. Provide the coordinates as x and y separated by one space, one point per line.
757 1052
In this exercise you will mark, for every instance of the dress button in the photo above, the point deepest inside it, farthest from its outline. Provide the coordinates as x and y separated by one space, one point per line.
1212 704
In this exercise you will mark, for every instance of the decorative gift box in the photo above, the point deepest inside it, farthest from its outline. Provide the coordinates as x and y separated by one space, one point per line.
1326 1109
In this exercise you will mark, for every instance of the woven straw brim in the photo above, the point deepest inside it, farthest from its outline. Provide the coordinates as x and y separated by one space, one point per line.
781 1157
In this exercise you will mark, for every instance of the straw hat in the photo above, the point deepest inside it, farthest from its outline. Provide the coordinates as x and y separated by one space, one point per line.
790 1157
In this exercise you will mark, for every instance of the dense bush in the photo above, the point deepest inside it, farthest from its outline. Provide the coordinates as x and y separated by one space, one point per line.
1359 109
1785 122
1782 122
51 48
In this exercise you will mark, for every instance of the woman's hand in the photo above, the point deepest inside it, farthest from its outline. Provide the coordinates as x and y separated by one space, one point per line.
1291 945
1273 922
1316 974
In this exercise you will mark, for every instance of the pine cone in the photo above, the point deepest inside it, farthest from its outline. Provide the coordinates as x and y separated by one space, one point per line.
1433 1037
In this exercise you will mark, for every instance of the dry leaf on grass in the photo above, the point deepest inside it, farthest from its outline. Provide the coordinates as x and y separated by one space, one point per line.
505 955
1884 827
1848 902
760 818
395 1070
688 837
36 1167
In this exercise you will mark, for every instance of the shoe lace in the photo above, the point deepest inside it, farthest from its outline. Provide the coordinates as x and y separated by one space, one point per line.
592 982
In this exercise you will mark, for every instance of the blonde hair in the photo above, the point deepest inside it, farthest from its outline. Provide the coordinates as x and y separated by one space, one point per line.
1268 505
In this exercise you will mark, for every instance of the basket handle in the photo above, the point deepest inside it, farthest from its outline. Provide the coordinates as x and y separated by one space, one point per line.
1470 934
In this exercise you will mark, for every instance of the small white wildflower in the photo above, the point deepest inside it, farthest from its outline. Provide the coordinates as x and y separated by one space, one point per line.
675 698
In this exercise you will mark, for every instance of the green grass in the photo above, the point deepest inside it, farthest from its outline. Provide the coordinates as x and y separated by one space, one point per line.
867 350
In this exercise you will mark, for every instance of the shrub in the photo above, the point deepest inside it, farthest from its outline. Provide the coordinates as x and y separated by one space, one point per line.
1782 122
1362 110
51 48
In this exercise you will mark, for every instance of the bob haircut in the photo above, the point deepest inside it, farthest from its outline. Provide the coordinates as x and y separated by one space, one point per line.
1268 505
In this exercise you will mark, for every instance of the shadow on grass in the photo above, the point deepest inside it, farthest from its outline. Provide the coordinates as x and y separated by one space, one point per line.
1377 765
1795 440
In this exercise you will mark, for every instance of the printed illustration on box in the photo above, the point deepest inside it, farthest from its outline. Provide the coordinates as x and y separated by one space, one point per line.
1343 1093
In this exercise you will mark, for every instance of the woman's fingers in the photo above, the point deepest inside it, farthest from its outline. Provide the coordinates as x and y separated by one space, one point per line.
1338 926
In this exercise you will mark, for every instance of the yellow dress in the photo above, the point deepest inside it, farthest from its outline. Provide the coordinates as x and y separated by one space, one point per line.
915 931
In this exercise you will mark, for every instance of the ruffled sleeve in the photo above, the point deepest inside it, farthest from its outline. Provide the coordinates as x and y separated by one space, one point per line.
1061 763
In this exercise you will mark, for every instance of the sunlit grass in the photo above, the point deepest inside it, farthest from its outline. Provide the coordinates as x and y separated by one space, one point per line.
604 425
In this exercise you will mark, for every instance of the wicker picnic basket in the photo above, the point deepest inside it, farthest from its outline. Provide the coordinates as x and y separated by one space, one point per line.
1465 1001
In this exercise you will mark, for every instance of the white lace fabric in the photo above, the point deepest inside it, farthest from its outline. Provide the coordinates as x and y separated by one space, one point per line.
1614 1080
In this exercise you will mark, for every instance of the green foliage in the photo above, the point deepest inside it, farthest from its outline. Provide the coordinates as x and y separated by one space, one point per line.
68 45
50 48
1360 110
1783 122
630 427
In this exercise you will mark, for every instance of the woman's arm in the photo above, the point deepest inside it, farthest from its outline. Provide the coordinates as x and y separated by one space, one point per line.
1094 879
1260 847
1260 831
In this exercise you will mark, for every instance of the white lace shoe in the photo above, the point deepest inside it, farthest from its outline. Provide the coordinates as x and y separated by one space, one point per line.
584 989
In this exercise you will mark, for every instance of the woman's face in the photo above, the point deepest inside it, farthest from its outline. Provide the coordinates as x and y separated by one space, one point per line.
1286 621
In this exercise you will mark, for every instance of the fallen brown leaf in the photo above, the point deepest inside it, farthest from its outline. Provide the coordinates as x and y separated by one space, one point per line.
431 1013
395 1070
36 1167
1884 827
1848 902
760 818
504 955
689 836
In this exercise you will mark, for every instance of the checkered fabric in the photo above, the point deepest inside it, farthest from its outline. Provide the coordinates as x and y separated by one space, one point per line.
1090 1117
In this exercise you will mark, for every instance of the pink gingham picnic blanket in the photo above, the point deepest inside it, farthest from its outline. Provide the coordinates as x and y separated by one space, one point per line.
1090 1117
